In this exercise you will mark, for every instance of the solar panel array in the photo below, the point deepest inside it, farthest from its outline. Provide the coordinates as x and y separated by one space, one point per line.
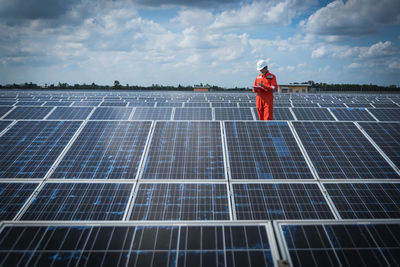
119 178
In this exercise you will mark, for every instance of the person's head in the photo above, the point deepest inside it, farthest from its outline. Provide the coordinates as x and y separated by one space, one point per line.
262 66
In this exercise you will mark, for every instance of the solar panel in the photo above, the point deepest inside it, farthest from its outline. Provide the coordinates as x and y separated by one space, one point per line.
264 150
79 201
280 201
113 104
197 104
181 202
344 244
193 114
143 113
281 114
7 103
85 103
29 103
233 114
141 104
29 148
185 150
70 113
387 137
338 150
12 198
169 104
127 245
314 114
359 105
4 110
304 105
352 114
246 105
24 113
3 125
224 104
105 150
331 105
386 114
110 113
58 103
366 200
385 105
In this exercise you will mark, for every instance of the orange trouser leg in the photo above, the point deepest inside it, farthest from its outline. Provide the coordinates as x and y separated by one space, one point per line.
260 108
265 108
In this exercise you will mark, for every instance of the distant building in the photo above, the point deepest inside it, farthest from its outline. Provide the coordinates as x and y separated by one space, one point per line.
198 88
293 88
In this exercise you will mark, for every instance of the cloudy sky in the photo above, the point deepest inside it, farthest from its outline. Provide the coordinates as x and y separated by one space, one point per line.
144 42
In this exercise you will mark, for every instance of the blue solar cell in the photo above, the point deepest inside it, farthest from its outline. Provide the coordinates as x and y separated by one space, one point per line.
7 103
70 113
113 104
12 197
193 114
313 114
233 114
185 150
181 202
105 150
24 113
79 201
29 148
224 104
58 103
85 103
280 201
352 114
281 114
110 113
4 110
366 200
143 113
338 150
264 150
142 104
342 244
386 114
29 103
3 125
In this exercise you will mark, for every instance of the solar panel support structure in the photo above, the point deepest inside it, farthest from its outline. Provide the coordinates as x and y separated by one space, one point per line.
213 114
132 113
294 115
8 112
253 114
372 115
397 170
139 173
8 127
49 172
304 152
48 114
172 114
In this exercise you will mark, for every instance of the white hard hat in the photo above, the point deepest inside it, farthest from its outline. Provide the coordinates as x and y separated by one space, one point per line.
261 64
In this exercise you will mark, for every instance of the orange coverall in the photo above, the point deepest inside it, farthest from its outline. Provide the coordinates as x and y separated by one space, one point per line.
265 98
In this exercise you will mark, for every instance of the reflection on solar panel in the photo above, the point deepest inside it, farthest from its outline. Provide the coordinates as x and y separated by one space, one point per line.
264 150
342 245
193 114
387 136
12 197
181 202
281 114
29 148
67 113
185 150
105 150
23 113
143 113
366 200
79 201
109 113
387 114
233 114
352 114
135 246
314 114
280 201
339 150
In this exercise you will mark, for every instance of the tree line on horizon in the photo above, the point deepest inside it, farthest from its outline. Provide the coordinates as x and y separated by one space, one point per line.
314 86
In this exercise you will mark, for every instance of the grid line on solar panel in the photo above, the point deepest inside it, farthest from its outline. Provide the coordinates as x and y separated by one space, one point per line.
78 201
4 111
318 114
387 137
193 114
12 198
70 113
29 148
383 114
143 113
339 150
185 150
352 114
24 113
184 201
58 103
233 114
342 244
213 245
105 150
267 201
111 113
264 150
365 200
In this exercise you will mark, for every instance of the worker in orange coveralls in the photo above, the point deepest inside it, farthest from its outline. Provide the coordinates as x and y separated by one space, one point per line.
264 85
